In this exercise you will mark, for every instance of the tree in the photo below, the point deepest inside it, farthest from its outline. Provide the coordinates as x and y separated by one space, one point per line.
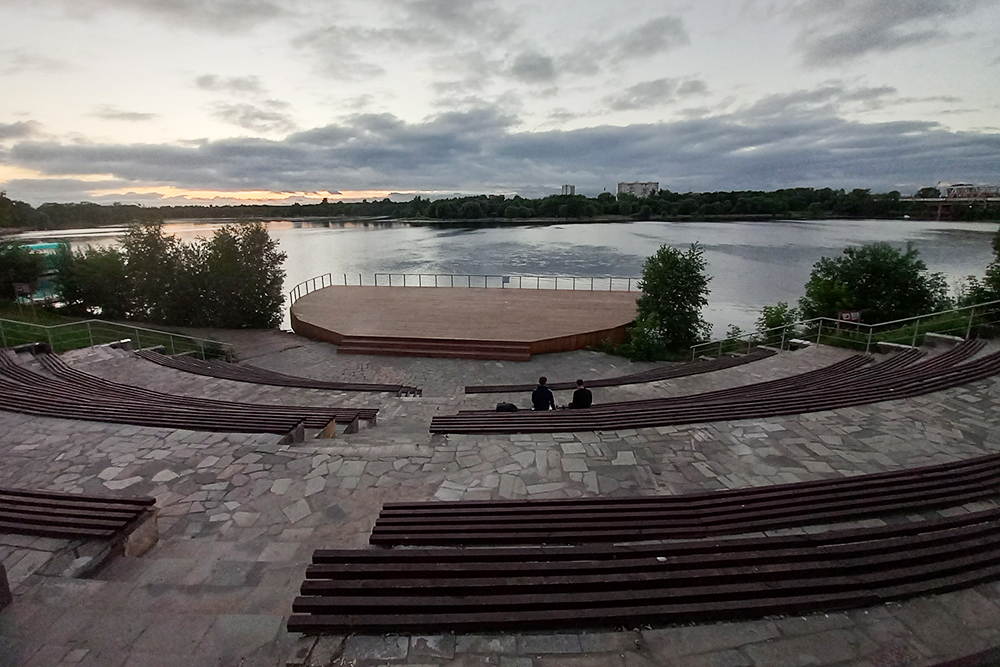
94 281
674 290
18 265
988 289
152 261
773 320
882 282
244 278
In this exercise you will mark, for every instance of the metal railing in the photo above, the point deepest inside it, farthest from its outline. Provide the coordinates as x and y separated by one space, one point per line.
910 331
88 333
603 283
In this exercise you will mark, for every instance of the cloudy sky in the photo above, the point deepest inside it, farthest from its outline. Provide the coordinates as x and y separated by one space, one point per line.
167 101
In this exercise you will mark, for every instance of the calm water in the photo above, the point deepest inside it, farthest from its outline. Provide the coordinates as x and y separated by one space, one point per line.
752 264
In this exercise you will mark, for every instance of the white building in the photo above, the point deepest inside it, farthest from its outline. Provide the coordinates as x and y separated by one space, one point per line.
569 189
638 189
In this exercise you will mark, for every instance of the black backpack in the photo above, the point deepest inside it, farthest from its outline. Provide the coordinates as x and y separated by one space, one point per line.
506 407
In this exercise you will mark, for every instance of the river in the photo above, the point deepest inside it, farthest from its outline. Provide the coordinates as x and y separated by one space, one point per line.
752 264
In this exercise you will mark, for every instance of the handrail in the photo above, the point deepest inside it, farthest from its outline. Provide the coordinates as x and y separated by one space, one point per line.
15 332
866 332
589 283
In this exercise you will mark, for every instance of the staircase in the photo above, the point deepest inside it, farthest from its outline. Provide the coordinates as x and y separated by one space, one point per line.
434 347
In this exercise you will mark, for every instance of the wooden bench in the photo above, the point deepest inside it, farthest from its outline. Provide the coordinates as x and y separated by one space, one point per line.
65 515
227 371
609 586
840 385
688 516
98 526
653 375
72 394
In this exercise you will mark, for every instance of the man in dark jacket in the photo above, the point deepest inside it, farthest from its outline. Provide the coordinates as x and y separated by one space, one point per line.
541 397
582 398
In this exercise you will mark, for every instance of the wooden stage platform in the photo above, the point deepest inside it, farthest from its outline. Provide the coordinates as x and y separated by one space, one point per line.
470 323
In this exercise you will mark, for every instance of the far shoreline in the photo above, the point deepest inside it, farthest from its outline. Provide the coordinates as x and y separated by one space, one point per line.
11 232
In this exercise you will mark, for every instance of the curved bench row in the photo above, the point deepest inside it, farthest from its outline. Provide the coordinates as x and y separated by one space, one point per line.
844 384
252 374
72 394
653 375
688 516
468 590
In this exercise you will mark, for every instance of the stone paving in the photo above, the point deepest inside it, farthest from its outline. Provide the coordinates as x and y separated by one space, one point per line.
240 514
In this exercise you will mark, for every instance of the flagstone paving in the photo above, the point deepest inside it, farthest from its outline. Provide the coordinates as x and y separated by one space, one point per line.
240 515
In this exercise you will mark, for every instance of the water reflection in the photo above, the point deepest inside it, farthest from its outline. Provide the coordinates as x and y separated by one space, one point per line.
752 263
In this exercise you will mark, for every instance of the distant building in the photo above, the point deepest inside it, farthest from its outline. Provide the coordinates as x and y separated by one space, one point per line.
569 189
638 189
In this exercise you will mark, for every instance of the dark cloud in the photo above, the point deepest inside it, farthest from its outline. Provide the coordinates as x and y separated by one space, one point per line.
654 93
17 61
18 130
657 35
270 117
479 150
229 84
113 113
828 99
834 32
533 67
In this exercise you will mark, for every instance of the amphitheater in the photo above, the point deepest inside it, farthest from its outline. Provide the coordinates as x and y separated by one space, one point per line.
240 515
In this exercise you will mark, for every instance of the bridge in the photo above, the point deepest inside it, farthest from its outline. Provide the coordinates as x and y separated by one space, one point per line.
961 194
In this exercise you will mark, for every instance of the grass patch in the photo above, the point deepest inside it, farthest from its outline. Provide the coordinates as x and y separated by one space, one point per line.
34 324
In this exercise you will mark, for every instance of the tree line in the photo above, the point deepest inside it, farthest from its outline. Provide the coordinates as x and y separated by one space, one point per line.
233 280
791 203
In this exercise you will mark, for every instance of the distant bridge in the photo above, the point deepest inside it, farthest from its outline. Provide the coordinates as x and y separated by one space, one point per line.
961 194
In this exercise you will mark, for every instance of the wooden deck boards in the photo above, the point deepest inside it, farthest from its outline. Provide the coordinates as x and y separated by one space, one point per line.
544 320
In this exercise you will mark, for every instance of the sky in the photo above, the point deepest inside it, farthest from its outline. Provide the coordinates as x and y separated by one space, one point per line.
220 101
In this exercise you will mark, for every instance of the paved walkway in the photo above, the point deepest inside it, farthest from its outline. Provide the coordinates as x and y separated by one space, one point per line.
240 515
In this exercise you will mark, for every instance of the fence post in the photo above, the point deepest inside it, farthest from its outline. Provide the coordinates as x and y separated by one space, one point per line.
819 332
972 314
51 344
173 350
916 330
783 331
90 334
869 345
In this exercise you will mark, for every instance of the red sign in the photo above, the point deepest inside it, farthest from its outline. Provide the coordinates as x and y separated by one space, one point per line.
849 315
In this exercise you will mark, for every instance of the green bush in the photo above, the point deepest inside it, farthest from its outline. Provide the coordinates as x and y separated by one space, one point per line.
18 265
233 280
882 282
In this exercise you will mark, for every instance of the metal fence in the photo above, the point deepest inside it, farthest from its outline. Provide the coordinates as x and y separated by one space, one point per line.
603 283
87 333
983 319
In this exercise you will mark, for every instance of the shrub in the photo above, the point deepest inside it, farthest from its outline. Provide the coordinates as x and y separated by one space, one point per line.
879 280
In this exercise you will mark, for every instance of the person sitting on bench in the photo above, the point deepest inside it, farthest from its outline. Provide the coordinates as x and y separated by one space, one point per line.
582 398
541 397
